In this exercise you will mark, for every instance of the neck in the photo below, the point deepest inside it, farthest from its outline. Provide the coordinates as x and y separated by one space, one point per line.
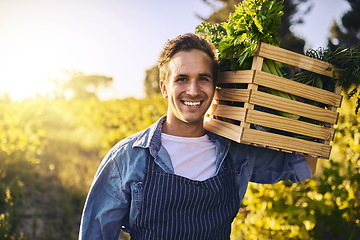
183 130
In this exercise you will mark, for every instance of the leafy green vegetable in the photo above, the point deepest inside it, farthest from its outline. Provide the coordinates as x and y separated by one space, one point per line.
272 67
253 21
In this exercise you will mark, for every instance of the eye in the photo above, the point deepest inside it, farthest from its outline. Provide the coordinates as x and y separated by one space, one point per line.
205 79
181 79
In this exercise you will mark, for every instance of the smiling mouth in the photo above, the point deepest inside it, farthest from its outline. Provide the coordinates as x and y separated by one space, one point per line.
192 104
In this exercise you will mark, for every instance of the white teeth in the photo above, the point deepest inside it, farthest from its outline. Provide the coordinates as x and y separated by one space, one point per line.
192 103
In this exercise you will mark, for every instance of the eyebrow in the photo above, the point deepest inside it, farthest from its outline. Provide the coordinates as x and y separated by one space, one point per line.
201 75
205 75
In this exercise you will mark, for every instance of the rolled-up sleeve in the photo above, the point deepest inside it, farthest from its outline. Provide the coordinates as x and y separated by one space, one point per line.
107 205
270 166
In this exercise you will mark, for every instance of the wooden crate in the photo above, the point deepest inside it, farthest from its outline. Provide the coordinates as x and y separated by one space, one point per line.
237 122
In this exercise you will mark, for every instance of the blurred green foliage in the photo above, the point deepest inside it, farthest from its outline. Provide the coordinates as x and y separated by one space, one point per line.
49 152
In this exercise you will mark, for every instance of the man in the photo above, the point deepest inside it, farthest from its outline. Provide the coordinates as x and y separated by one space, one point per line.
174 180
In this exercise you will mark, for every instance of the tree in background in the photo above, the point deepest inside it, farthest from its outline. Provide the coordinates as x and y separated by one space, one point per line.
348 35
81 86
222 14
152 81
293 15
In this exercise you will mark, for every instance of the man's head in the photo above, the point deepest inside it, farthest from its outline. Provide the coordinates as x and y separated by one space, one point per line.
188 71
186 42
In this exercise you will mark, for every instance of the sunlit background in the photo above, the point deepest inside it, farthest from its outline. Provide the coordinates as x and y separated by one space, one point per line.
50 150
42 39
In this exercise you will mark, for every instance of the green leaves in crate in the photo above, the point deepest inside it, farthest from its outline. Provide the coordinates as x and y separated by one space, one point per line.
253 21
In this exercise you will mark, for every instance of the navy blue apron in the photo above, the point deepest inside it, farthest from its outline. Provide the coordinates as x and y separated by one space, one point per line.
175 207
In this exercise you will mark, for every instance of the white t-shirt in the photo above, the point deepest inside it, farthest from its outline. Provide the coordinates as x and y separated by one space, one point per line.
191 157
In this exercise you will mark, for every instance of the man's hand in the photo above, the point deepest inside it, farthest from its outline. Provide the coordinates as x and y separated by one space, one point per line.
311 162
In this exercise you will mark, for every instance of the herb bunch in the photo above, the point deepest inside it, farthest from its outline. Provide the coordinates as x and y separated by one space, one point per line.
253 22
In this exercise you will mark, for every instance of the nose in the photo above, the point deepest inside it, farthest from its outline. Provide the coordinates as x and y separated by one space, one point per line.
193 88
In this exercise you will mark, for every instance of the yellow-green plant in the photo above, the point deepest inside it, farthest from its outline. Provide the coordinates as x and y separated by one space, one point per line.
49 153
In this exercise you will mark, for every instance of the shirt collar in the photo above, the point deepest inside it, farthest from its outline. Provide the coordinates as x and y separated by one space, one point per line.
151 137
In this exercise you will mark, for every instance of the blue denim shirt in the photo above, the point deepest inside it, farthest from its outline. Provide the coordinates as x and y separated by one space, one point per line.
115 196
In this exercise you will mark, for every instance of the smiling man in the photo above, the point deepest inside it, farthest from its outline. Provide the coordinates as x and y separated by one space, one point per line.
190 89
174 180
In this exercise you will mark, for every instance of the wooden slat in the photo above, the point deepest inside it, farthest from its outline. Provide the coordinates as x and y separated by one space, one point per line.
244 76
289 125
332 108
294 107
294 59
224 129
239 95
225 111
257 63
296 88
252 136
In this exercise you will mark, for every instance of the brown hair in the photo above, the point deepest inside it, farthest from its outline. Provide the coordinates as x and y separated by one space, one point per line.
186 42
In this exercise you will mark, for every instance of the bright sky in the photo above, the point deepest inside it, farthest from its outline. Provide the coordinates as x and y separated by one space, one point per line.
41 39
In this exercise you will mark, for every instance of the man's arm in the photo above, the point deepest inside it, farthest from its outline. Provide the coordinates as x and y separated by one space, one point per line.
311 162
270 166
106 206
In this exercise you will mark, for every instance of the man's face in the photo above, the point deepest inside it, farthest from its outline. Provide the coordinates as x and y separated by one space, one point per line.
189 87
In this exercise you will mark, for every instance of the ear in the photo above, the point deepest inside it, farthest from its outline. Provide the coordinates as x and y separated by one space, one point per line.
163 89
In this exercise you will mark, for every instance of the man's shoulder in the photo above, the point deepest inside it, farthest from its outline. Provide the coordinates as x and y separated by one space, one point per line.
123 153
